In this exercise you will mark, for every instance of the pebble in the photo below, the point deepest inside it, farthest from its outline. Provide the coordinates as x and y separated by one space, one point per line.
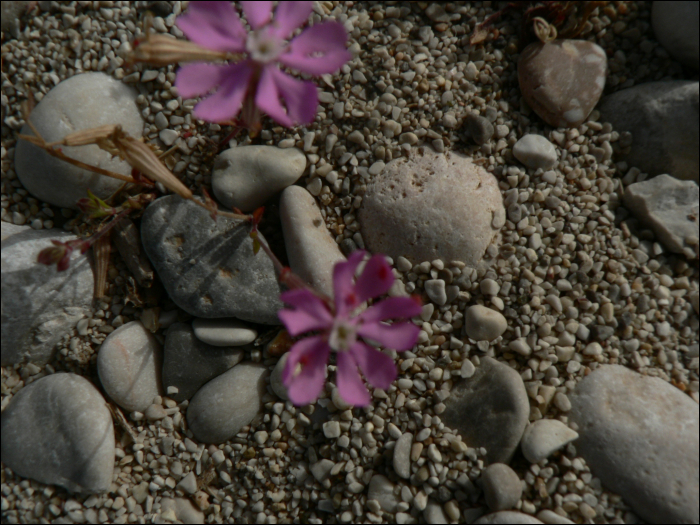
433 513
662 117
227 403
544 437
435 289
188 484
402 455
185 247
563 80
182 510
58 430
382 490
490 410
502 487
505 517
549 516
81 102
670 208
431 206
483 324
311 249
188 363
639 434
479 128
331 429
276 378
321 470
246 177
40 304
129 365
676 28
536 152
223 332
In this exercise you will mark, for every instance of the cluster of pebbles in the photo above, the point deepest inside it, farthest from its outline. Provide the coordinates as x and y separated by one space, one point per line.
560 316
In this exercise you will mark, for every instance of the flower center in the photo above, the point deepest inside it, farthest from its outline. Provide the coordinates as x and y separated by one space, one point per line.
264 46
343 336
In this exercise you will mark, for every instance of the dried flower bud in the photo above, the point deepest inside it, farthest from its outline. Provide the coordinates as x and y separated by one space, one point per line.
161 50
58 254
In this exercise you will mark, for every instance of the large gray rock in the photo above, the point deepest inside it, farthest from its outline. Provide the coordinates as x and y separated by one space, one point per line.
40 304
676 28
507 516
58 430
663 119
431 206
490 409
78 103
670 208
209 268
639 435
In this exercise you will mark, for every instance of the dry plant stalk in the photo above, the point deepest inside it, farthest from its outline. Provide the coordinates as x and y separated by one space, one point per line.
128 242
101 250
118 415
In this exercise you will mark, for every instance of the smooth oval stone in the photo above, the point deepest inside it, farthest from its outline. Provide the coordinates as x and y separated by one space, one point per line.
247 176
507 516
129 365
223 332
40 304
276 378
544 437
479 128
431 206
676 28
502 486
639 435
79 103
402 455
536 152
209 268
484 324
227 403
563 80
58 430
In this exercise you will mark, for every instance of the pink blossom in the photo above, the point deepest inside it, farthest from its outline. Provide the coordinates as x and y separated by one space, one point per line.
342 328
257 82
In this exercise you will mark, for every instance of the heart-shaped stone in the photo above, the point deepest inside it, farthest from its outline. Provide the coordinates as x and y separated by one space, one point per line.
563 80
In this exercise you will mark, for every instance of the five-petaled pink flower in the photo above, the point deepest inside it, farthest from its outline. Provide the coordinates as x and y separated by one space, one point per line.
257 81
341 329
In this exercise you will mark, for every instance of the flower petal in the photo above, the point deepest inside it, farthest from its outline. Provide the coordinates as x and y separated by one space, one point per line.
214 25
343 288
350 385
375 279
379 369
305 387
391 308
226 102
397 336
320 49
289 16
300 98
257 13
307 301
198 78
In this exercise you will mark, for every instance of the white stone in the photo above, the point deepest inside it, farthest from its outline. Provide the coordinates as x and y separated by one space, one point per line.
535 151
484 324
544 437
223 332
402 455
435 288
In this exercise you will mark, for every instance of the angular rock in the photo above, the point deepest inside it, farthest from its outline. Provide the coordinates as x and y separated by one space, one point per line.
639 435
502 486
78 103
484 324
129 365
544 437
247 176
536 152
676 28
670 208
563 80
663 120
490 409
433 514
182 510
58 430
209 268
402 455
223 332
188 363
227 403
311 249
431 206
507 516
40 304
381 489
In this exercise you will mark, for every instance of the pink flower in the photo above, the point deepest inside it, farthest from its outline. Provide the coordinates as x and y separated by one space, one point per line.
257 81
341 331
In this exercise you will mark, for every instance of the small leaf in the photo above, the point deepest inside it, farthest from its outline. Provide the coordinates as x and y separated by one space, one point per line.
257 216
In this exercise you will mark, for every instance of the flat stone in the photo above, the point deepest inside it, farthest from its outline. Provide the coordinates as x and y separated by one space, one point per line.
311 249
188 363
227 403
40 304
9 229
536 152
322 469
208 268
78 103
563 80
58 430
544 437
433 513
670 208
183 510
402 455
549 516
490 409
502 486
484 324
507 516
639 435
129 365
479 128
431 206
246 177
663 120
188 484
676 28
223 332
381 489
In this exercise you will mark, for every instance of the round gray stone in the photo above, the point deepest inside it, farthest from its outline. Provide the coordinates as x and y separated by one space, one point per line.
484 324
78 103
536 152
639 435
58 430
223 332
544 437
676 28
502 486
402 455
479 128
